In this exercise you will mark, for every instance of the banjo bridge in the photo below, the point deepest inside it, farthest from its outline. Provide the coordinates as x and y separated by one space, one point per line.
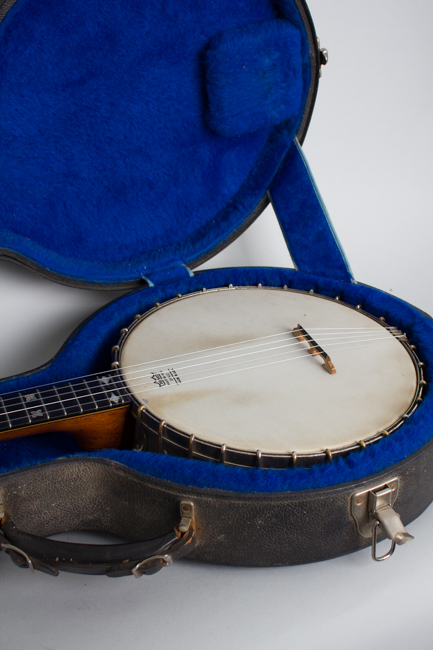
302 335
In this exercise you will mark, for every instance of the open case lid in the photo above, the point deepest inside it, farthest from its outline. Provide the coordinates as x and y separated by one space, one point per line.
140 138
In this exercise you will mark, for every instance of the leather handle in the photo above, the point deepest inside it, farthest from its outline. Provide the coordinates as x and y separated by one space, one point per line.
114 560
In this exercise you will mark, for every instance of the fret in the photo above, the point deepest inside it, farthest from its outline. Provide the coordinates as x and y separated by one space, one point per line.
17 414
5 422
90 393
43 405
46 401
84 396
69 400
34 407
98 391
60 401
25 408
76 397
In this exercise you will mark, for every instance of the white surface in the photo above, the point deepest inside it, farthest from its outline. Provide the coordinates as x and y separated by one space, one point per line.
370 147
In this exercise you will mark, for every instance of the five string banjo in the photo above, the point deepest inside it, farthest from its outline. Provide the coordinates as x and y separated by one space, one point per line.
248 376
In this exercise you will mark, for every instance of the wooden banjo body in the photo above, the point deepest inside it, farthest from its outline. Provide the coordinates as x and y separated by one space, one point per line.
222 375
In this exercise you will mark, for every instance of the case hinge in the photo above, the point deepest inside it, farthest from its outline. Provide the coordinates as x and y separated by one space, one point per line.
373 509
173 273
323 56
187 516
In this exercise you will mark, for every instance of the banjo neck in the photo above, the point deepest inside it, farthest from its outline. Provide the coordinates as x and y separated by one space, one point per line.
93 409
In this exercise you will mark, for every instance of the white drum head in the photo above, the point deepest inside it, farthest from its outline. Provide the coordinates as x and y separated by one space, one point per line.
221 384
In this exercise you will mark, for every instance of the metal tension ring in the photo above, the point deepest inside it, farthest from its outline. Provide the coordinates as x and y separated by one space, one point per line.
373 508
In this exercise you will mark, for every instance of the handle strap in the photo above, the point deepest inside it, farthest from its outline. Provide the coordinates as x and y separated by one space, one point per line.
114 560
304 220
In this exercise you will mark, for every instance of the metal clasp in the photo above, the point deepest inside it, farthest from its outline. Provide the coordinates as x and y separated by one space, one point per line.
187 518
166 560
373 508
10 547
323 56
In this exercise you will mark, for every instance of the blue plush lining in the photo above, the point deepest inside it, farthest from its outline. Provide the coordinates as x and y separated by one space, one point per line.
304 220
109 167
253 77
89 351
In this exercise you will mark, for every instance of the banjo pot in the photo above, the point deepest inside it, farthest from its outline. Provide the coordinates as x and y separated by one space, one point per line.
265 377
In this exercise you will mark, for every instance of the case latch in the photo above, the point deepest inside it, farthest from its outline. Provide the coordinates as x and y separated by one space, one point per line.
323 56
373 508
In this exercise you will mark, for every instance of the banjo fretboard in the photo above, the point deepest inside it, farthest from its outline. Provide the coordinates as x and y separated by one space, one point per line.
62 400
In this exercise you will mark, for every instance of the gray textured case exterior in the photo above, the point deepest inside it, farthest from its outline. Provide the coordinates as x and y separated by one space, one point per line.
232 528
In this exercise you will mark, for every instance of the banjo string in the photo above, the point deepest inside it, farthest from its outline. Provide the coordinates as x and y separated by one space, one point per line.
245 354
155 361
133 387
237 370
261 338
352 331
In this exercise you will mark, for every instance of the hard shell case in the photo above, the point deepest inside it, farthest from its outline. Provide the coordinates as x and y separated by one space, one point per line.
135 147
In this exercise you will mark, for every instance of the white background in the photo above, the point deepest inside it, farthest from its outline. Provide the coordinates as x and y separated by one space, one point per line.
370 146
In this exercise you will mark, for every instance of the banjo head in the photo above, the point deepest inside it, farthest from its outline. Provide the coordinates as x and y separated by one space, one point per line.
225 369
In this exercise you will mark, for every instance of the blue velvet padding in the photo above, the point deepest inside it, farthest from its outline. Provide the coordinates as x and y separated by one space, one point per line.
304 220
109 170
253 77
89 351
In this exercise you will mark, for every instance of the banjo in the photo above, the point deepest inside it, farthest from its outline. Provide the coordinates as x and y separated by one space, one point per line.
247 376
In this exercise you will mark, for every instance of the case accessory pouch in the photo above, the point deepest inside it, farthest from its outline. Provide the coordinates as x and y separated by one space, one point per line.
253 77
113 560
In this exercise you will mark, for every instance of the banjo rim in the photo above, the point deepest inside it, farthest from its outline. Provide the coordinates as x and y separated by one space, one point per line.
153 433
